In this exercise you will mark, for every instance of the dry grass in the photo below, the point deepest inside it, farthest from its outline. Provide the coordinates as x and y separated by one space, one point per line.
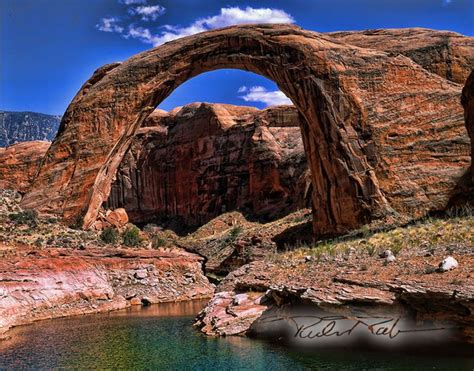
423 237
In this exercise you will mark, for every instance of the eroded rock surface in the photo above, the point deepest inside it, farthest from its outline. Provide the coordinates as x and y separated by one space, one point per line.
402 289
51 283
19 164
447 54
202 160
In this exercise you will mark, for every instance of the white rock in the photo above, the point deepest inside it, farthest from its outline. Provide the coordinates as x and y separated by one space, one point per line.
141 274
388 255
240 298
448 264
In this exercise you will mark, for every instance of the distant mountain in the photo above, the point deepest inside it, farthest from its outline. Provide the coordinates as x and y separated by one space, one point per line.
25 126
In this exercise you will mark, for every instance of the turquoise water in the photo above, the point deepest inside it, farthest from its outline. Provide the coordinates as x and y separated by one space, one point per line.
162 337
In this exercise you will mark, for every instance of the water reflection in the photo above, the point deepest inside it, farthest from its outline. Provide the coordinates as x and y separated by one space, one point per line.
162 337
179 309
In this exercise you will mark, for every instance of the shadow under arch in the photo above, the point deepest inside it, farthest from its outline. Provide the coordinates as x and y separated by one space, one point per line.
99 124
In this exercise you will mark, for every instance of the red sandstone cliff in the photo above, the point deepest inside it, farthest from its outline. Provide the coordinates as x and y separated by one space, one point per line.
196 162
19 164
204 159
445 53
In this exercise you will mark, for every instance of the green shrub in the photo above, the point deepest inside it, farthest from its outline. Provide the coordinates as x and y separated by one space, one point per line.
26 217
78 222
109 235
234 233
157 241
131 236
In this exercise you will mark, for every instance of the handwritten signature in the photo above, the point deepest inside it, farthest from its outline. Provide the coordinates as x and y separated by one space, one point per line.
313 327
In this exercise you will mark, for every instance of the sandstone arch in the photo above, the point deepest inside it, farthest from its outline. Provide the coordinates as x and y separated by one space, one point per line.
347 96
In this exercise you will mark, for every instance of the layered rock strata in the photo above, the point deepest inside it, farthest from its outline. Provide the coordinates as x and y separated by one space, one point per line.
52 283
19 164
250 295
445 53
201 160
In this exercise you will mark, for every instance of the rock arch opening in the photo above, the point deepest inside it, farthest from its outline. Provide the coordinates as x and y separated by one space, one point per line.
348 97
196 161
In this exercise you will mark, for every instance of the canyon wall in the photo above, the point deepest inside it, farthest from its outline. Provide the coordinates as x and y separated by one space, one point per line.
201 160
19 164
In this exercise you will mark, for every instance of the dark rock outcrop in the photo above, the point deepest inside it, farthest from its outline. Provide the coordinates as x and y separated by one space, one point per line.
27 126
201 160
467 100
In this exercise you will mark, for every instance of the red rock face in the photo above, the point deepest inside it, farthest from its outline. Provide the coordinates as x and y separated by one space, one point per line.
447 54
382 134
467 101
205 159
19 164
65 282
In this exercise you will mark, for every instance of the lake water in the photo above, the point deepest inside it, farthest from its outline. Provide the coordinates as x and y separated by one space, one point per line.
162 337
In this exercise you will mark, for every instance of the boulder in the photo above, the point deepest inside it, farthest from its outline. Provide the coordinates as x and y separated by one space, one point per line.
118 218
448 264
388 256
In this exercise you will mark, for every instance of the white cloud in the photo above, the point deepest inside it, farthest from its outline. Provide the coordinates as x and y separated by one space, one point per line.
131 2
109 24
234 15
140 33
148 13
227 17
260 94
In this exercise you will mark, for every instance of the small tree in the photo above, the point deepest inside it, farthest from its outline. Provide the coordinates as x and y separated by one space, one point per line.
131 236
109 235
158 241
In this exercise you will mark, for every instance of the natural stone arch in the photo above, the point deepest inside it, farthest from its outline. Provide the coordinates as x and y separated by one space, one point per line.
333 85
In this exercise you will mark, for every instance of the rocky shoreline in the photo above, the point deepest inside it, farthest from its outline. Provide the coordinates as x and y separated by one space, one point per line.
60 282
401 290
49 270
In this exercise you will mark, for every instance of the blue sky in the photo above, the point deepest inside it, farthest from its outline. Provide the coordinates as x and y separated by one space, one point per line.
50 47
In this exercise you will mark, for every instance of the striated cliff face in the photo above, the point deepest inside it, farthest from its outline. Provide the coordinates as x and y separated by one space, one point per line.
19 164
26 126
467 100
51 283
203 159
445 53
